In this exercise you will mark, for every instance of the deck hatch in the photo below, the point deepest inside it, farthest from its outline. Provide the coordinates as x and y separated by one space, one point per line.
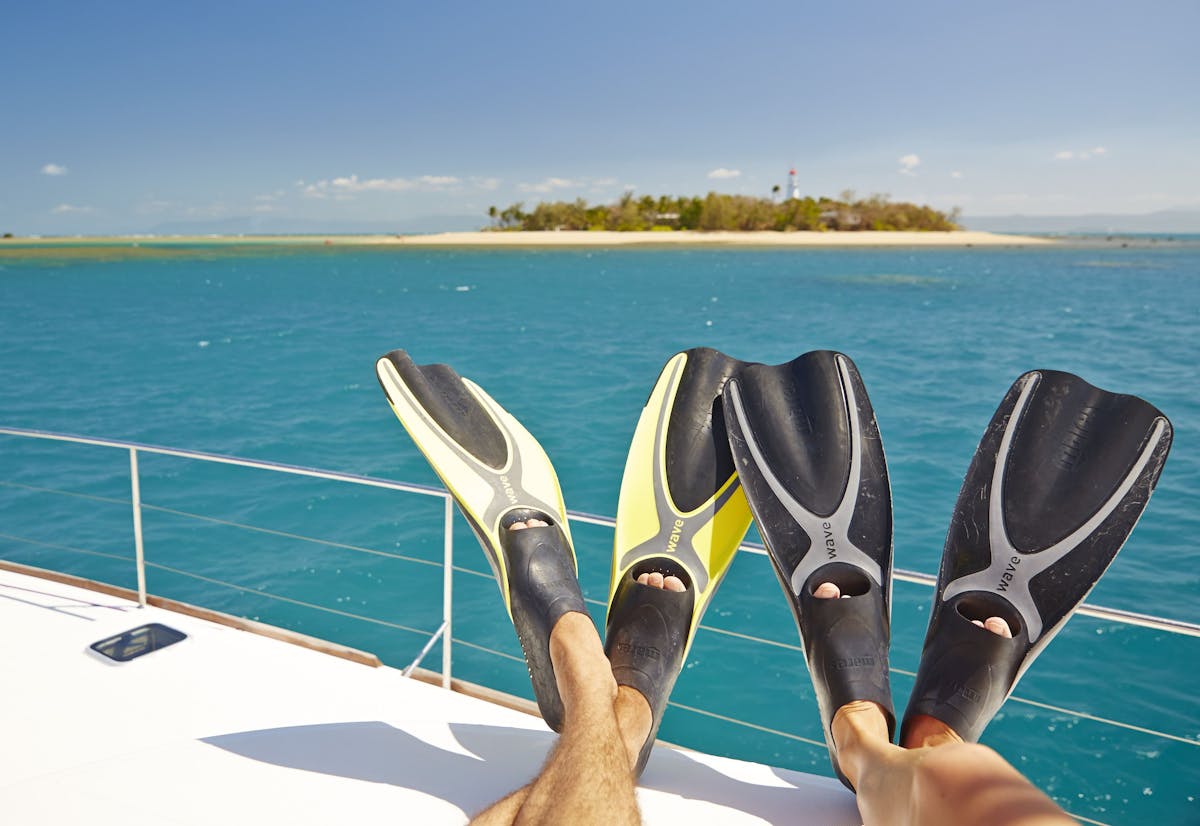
131 644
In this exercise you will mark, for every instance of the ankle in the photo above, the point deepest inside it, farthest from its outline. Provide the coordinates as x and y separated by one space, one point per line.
634 720
580 667
923 731
860 733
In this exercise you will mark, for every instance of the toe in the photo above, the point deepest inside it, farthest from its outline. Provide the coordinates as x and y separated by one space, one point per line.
673 583
827 590
656 580
998 626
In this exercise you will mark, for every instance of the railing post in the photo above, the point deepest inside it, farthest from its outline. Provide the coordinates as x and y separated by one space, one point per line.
447 590
137 527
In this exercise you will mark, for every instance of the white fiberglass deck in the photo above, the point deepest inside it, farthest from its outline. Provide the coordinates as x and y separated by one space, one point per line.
230 727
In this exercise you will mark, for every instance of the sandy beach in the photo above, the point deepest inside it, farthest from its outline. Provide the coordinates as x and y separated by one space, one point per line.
572 239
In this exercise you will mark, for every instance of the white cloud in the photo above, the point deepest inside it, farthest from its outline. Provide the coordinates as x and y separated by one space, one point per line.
486 184
909 164
722 173
1081 155
956 175
548 185
54 169
69 209
346 185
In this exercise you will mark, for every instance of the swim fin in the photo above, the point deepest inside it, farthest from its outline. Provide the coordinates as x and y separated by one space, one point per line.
681 512
808 452
498 474
1059 480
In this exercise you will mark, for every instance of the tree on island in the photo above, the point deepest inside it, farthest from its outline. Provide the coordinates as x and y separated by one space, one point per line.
716 211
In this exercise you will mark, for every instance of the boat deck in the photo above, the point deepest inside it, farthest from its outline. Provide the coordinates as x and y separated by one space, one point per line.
230 727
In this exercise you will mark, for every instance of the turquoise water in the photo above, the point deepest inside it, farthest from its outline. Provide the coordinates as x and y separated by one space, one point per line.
269 353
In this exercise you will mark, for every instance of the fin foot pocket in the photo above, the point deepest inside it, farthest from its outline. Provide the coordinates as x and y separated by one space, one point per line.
543 586
646 638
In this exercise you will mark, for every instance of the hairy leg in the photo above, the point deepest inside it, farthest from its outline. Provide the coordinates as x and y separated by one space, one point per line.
587 777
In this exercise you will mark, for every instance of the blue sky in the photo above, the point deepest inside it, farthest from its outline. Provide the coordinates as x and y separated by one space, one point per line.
122 117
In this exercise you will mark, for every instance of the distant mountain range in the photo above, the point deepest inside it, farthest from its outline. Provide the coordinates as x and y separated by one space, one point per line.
1181 220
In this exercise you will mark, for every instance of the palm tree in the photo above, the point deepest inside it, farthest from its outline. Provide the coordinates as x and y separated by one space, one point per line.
492 212
775 192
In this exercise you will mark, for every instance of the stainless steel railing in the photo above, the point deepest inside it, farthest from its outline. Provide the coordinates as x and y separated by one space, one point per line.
134 448
444 631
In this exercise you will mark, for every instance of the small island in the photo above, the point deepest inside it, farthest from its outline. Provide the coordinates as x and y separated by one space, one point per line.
718 212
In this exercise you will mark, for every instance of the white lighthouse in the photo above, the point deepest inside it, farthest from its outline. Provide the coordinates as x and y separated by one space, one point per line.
793 187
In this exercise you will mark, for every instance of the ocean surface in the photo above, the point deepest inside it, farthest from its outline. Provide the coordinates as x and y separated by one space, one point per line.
268 353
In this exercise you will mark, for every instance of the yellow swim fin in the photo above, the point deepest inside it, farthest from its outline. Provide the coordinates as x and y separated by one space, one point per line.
681 512
498 475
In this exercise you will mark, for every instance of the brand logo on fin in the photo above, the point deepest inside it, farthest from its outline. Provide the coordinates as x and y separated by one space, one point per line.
967 693
1072 446
1010 571
853 662
508 490
648 652
830 542
676 532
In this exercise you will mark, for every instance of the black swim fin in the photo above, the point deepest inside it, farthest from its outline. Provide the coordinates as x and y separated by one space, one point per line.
498 475
681 512
811 462
1059 480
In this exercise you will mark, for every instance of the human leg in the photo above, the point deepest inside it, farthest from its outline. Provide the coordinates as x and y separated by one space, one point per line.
587 777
